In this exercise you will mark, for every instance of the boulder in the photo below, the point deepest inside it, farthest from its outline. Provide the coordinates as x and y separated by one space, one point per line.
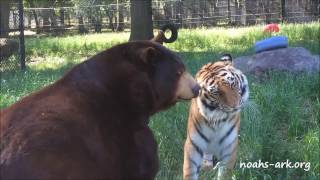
293 59
7 48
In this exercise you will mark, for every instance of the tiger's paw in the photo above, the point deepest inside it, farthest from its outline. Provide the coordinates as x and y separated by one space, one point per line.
207 164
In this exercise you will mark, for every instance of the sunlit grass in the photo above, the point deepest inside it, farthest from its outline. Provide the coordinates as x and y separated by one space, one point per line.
241 40
280 122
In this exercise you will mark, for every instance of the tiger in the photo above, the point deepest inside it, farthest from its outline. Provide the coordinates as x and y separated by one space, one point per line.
214 119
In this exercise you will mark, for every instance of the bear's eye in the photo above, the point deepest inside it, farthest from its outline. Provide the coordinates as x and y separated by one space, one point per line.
179 73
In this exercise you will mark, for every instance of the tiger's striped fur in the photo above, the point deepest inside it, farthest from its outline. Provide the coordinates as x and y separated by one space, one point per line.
214 119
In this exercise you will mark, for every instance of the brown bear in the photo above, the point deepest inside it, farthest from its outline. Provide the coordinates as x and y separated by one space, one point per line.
93 122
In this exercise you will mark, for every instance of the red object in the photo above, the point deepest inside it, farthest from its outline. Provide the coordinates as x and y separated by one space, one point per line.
271 28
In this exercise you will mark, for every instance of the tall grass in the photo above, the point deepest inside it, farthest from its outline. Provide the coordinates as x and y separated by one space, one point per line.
240 40
280 122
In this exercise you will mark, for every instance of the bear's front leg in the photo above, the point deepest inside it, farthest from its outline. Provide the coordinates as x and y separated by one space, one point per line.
144 155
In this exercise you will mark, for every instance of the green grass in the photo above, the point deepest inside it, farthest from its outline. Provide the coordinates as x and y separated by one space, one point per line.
280 122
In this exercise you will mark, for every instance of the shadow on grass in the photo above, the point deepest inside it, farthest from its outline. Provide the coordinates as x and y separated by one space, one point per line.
17 83
281 122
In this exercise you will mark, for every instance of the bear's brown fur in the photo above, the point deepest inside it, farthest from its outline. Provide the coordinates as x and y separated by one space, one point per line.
93 122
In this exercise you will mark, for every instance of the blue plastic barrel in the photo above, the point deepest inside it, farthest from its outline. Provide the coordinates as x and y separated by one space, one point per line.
274 42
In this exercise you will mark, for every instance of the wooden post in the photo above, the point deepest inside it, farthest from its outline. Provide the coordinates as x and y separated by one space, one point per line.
21 36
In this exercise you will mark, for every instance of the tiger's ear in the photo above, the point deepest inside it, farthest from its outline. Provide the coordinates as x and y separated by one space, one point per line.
226 57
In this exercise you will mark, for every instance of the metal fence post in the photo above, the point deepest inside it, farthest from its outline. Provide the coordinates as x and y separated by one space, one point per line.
21 36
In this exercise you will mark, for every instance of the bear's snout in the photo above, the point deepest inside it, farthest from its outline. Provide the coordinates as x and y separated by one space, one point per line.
196 90
188 88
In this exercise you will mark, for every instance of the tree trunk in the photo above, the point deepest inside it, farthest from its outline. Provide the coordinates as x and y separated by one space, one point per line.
62 17
121 19
53 20
69 20
37 21
35 16
215 13
62 13
268 10
49 17
229 13
238 12
29 15
141 20
194 15
97 20
15 19
251 7
46 22
283 10
4 18
110 18
179 16
82 29
243 13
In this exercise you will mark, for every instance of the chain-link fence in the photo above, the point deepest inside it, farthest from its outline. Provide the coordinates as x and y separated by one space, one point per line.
116 17
183 13
12 50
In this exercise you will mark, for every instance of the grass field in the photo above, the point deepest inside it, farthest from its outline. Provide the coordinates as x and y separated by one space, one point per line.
280 122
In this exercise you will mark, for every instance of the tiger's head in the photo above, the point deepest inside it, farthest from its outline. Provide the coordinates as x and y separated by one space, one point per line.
223 87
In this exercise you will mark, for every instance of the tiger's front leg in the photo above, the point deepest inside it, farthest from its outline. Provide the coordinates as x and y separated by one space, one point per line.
227 163
207 162
192 160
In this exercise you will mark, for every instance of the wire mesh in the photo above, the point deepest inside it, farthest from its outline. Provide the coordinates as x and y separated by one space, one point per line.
12 46
83 18
183 13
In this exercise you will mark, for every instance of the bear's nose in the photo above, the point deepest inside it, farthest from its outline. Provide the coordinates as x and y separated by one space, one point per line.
195 90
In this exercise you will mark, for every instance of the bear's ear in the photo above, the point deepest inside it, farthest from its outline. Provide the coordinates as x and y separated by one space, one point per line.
147 54
226 57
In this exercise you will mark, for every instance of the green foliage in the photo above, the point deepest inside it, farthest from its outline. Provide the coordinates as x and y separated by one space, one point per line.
280 122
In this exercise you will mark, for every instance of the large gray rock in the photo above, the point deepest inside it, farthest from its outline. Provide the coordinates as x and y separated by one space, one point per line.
294 59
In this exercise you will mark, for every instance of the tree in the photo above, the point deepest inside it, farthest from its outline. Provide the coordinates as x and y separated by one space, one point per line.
283 10
62 12
120 16
141 20
48 15
89 9
32 5
4 18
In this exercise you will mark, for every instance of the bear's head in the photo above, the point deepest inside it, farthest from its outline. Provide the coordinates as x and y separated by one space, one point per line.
169 79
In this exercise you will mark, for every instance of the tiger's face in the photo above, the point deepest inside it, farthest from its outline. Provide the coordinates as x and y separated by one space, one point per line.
223 86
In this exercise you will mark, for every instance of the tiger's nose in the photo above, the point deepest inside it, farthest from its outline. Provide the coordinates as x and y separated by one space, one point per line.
196 90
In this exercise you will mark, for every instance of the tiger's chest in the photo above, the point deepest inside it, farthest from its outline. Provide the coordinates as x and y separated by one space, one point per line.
221 128
222 138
